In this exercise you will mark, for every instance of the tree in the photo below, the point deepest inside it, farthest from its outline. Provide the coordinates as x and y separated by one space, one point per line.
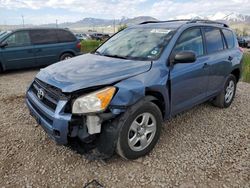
244 32
121 27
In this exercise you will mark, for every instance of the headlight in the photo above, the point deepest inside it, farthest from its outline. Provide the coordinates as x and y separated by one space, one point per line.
93 102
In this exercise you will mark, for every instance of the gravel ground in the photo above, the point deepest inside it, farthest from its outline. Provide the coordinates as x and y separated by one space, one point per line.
203 147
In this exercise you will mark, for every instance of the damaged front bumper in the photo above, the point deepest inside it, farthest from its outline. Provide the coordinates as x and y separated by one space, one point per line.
63 127
55 123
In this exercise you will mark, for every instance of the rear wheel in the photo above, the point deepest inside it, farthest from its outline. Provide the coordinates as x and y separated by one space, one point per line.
1 69
140 130
66 56
226 97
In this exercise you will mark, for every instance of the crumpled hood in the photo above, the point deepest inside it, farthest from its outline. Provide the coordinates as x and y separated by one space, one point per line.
90 70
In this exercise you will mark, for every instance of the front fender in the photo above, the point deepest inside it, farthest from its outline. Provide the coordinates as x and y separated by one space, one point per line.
129 92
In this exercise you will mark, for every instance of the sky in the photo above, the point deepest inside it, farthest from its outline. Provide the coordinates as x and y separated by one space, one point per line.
42 11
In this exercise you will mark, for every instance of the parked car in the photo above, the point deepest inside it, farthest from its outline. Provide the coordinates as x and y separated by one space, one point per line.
23 48
247 40
99 36
242 42
81 36
117 98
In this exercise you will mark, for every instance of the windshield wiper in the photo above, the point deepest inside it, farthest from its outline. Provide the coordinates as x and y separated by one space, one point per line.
96 53
115 56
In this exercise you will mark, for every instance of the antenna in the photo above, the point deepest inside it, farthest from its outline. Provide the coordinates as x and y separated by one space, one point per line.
23 20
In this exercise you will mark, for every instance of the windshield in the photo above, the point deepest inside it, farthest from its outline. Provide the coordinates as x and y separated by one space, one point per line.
137 43
3 34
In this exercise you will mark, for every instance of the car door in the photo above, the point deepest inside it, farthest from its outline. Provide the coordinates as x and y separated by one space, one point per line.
18 53
189 80
45 46
218 59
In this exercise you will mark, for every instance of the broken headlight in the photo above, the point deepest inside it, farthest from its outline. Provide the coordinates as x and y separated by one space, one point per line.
93 102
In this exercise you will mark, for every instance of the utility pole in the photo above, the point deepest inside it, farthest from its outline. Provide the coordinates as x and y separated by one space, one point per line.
23 20
56 23
114 25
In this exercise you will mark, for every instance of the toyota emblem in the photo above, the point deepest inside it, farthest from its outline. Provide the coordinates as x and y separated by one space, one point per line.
40 94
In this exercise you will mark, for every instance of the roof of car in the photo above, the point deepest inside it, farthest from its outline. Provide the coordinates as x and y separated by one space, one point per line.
38 28
178 23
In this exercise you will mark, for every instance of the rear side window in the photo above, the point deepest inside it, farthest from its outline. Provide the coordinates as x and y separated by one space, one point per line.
43 36
214 40
65 36
229 36
190 39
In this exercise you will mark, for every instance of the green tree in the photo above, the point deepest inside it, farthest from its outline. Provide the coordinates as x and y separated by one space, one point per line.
121 27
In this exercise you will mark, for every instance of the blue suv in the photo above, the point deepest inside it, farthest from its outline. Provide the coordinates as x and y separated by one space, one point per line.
116 98
25 48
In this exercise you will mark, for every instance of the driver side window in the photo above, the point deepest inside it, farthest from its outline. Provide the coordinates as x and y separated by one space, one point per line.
190 40
20 38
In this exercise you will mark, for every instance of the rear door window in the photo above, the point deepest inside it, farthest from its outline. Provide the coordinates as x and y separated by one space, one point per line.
190 40
20 38
43 36
214 41
229 36
65 36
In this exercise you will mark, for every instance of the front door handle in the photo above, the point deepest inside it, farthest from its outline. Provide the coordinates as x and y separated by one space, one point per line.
205 65
230 58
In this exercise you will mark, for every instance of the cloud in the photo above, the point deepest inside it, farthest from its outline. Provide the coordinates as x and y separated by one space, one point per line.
161 9
172 9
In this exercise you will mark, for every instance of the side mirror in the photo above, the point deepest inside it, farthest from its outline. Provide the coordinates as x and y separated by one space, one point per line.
3 44
185 57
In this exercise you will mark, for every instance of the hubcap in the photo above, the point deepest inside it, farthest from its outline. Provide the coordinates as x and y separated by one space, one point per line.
141 132
229 92
67 57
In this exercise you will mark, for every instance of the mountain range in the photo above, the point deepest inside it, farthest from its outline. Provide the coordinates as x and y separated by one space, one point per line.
108 24
97 22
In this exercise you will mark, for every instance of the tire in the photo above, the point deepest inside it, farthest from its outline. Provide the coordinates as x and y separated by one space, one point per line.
226 97
144 140
66 56
1 69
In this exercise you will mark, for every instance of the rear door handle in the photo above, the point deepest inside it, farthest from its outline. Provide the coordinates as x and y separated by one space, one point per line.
230 58
30 50
38 50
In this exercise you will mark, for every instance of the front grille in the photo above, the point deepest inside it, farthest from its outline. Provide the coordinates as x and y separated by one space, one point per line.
51 94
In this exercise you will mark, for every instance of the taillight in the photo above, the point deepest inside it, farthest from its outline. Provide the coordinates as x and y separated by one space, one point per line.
79 45
241 49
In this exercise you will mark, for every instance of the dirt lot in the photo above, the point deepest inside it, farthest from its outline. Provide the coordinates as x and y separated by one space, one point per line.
203 147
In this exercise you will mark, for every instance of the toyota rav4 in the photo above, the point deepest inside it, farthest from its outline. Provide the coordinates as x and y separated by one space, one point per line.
117 97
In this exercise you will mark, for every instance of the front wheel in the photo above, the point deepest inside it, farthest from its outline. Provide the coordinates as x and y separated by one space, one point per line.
140 130
225 98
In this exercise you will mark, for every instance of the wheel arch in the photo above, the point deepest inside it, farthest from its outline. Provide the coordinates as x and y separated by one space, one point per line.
1 67
158 99
237 73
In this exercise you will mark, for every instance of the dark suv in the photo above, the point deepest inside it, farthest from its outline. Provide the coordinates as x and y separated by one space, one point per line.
116 98
99 36
24 48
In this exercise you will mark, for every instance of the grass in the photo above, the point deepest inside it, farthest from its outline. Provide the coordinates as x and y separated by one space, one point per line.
90 45
246 68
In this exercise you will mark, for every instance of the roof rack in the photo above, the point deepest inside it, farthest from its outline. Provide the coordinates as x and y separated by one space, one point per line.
179 20
208 22
188 21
